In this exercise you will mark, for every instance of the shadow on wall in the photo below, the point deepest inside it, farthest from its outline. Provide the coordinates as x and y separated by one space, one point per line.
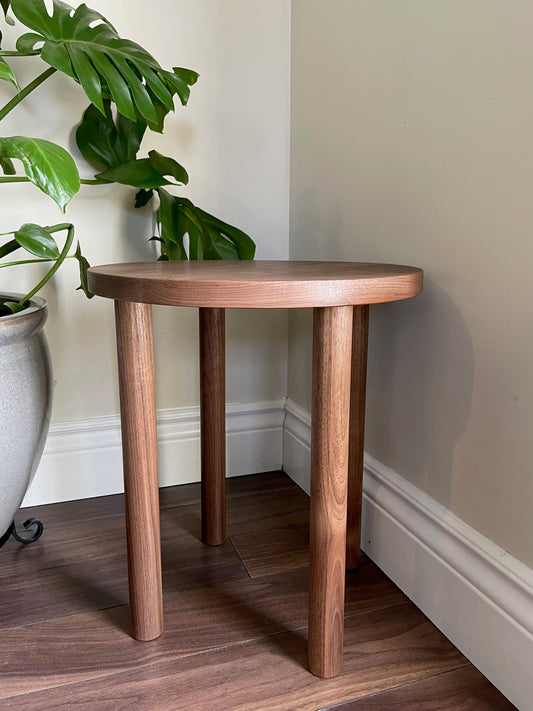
420 381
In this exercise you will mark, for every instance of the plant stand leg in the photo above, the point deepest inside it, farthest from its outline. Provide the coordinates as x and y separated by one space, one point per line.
332 344
357 435
139 445
213 425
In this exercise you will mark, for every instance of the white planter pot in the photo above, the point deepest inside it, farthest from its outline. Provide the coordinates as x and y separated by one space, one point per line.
25 401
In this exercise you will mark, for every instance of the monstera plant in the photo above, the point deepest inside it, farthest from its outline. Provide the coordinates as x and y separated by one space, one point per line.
129 93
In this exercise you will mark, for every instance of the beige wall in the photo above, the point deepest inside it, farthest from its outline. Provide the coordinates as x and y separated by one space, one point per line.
412 143
233 139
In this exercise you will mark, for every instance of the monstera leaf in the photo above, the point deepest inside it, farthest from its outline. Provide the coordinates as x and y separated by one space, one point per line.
105 142
209 237
47 165
83 44
114 144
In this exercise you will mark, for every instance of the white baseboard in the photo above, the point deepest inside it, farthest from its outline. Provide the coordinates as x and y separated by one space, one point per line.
83 459
478 595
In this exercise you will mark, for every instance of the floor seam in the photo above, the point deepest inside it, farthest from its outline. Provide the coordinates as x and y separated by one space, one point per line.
396 686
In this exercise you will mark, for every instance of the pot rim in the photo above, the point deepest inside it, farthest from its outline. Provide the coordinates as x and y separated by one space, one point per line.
37 303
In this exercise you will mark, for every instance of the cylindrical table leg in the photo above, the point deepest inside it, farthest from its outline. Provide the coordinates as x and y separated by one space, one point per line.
332 341
213 425
357 435
139 444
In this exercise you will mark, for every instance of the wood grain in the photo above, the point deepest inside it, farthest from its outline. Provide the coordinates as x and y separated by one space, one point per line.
256 284
94 529
357 435
231 642
213 425
270 510
463 689
236 487
89 571
274 550
139 447
383 649
332 342
209 612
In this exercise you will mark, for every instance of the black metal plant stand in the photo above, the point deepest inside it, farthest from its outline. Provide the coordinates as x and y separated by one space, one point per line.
12 531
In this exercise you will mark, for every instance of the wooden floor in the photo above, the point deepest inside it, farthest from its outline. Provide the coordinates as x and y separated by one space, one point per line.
235 618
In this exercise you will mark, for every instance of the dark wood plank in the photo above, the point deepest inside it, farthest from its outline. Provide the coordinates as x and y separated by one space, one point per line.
212 613
464 689
71 513
236 487
78 575
86 572
270 510
80 563
273 550
87 586
383 649
67 541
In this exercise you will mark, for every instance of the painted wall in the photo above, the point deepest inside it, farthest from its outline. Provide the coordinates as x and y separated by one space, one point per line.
233 139
412 143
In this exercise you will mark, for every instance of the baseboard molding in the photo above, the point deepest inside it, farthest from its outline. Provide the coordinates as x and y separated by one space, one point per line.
83 459
478 595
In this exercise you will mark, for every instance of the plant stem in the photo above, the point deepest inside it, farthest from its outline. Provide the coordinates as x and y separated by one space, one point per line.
24 92
64 252
13 179
25 261
8 247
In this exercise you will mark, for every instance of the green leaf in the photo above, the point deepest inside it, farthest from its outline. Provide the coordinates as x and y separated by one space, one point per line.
137 173
7 166
105 142
147 173
4 4
209 237
171 231
180 80
244 245
84 266
15 306
37 240
143 197
168 166
7 74
48 166
26 43
83 44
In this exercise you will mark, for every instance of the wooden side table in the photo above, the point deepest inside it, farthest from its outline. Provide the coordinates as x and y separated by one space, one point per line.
339 293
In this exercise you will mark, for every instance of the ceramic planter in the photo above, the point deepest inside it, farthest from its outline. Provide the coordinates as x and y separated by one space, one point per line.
25 401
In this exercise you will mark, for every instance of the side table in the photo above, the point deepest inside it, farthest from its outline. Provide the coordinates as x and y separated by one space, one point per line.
339 294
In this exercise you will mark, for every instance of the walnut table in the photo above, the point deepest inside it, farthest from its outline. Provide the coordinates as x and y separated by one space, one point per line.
339 293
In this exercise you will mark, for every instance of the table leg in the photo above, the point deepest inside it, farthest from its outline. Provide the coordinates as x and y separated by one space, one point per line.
332 341
213 425
139 445
357 435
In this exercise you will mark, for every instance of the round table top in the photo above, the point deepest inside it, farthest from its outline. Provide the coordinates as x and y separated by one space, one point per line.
256 284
